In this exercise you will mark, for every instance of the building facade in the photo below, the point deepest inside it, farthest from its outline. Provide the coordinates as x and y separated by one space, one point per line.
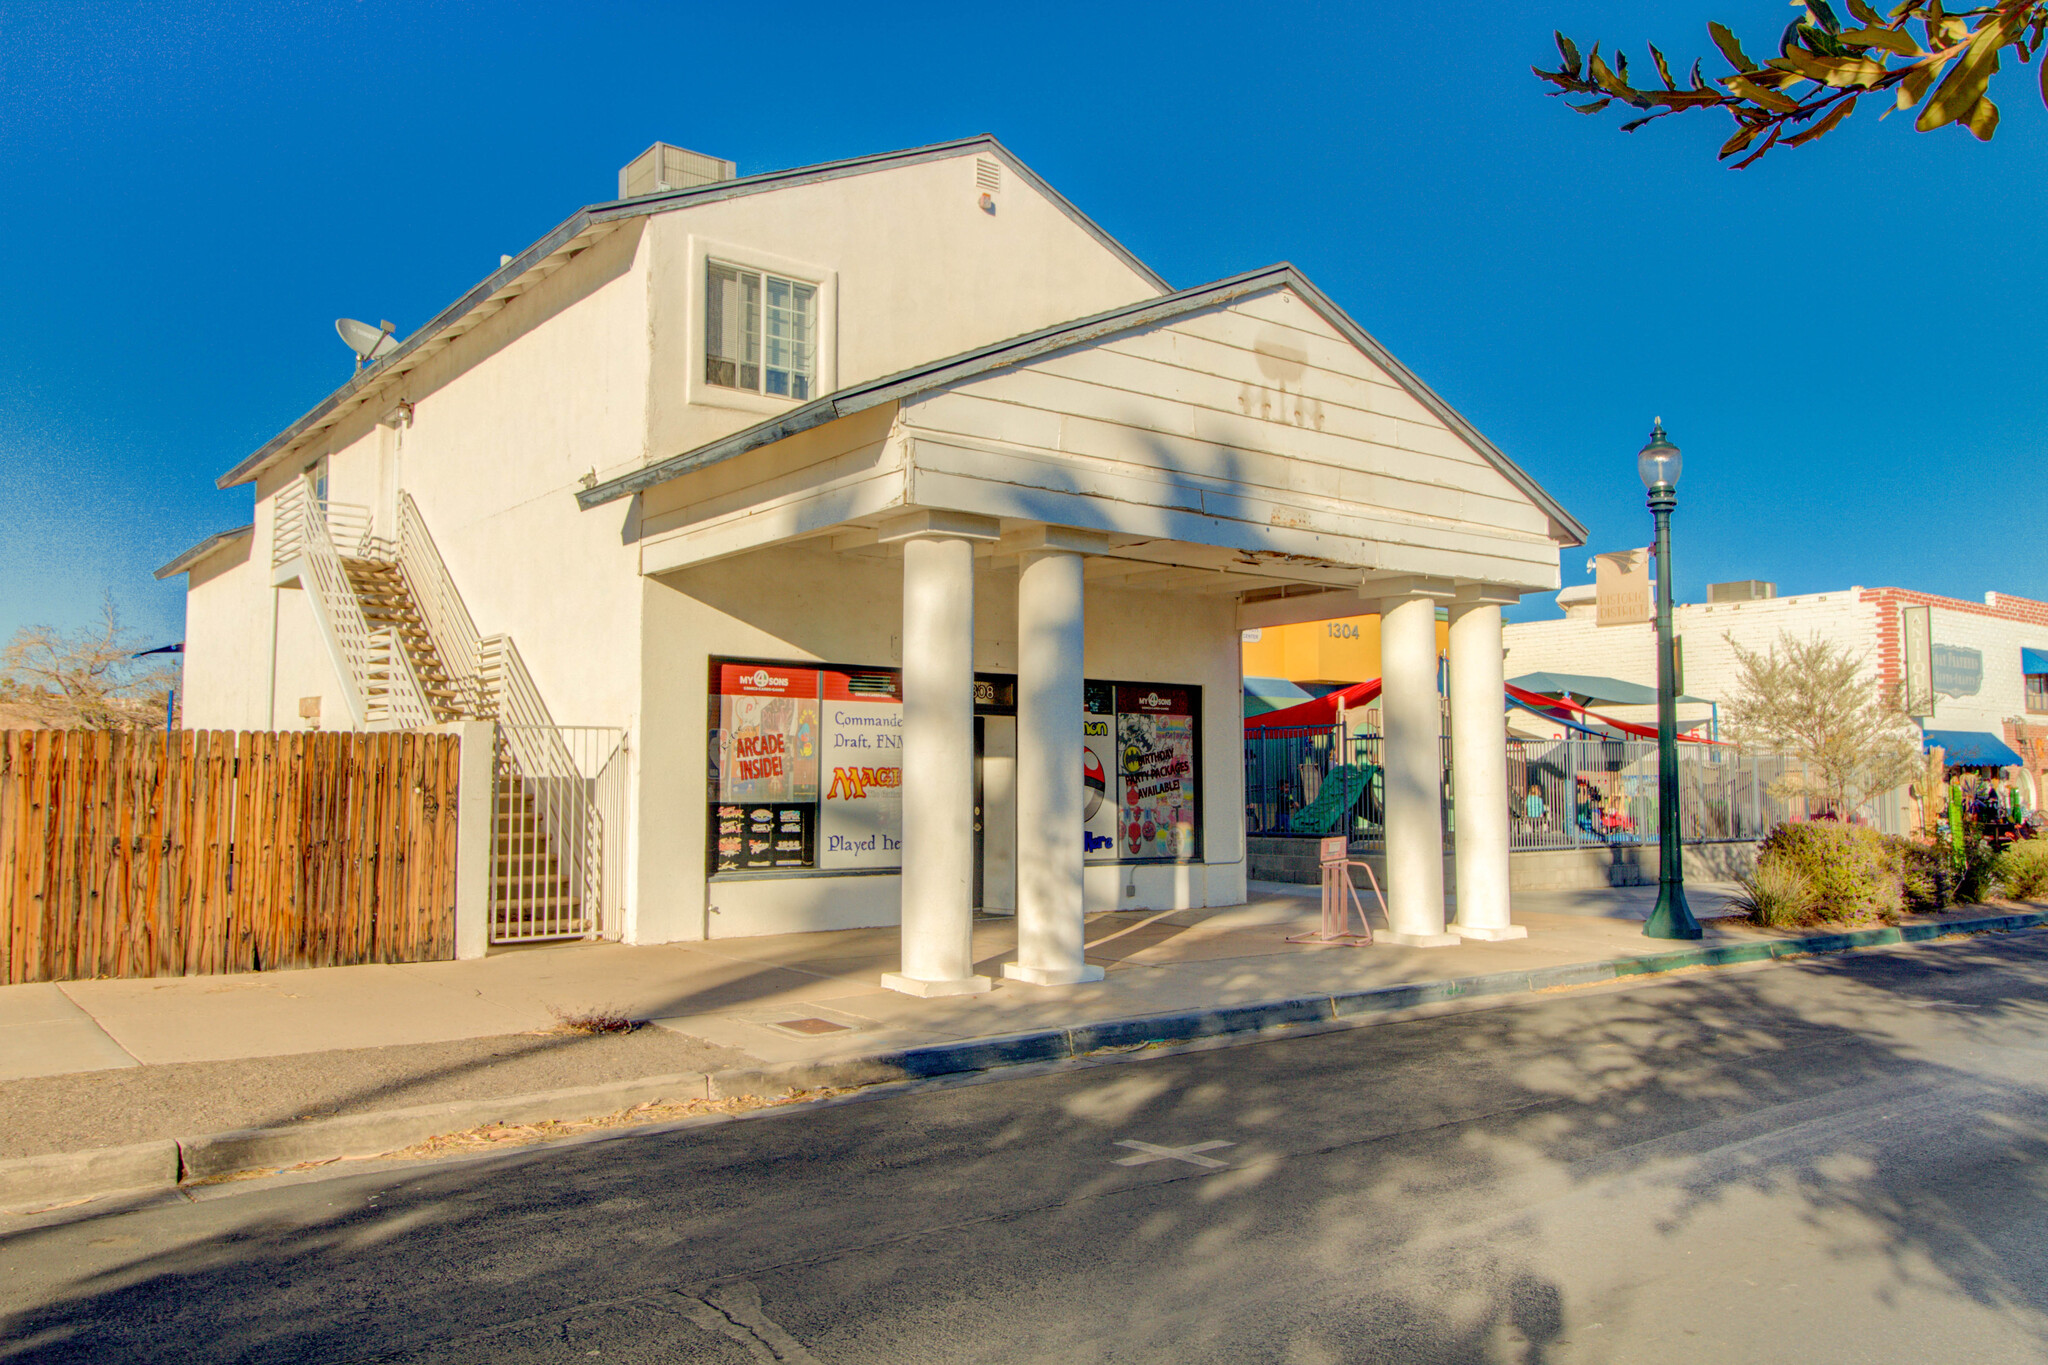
902 525
1989 659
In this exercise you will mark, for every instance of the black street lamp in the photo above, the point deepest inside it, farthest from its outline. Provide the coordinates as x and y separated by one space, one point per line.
1659 465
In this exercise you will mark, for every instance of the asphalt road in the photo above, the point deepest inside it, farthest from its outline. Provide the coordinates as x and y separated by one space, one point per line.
1844 1159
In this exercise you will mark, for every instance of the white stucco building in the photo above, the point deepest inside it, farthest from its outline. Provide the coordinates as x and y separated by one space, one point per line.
1989 659
902 526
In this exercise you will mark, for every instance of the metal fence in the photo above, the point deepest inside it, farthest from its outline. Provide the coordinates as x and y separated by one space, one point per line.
1315 781
561 834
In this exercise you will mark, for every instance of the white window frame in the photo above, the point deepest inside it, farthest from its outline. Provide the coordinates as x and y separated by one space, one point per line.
699 390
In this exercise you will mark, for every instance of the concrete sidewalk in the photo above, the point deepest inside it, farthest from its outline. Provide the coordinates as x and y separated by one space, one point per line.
108 1085
747 993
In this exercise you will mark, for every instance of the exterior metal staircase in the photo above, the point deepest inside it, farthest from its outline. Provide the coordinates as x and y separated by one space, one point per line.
409 656
403 641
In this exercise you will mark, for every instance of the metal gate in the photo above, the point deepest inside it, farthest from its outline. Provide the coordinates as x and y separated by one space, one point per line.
559 866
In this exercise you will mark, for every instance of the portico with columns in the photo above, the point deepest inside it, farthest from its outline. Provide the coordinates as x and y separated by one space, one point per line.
1057 533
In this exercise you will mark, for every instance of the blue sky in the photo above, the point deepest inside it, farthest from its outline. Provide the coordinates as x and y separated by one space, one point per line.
1845 339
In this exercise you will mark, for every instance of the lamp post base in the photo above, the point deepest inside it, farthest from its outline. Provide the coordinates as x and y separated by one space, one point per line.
1673 917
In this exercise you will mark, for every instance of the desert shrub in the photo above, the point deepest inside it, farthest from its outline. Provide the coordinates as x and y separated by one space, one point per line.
2021 872
1976 879
1923 874
1775 895
1851 872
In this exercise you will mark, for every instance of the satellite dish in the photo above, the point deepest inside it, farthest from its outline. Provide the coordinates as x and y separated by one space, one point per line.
369 343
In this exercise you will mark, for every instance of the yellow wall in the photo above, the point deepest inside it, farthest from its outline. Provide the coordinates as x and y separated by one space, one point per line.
1342 651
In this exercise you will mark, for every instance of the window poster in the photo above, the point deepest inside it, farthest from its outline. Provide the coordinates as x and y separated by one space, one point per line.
806 766
764 768
1155 733
1099 823
860 816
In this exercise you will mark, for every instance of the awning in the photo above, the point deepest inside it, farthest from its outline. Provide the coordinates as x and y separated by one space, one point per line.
1613 691
1322 711
1971 749
2034 661
1270 694
1318 710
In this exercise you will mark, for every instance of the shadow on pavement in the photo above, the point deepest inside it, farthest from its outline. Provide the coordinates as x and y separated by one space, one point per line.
1486 1186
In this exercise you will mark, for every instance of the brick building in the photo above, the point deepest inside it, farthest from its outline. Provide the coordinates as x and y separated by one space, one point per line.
1990 658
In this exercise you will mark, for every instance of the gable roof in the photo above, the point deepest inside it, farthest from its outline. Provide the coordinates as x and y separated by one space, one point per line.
1018 350
588 221
218 540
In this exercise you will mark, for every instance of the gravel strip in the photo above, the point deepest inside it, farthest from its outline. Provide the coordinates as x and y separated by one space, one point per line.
188 1099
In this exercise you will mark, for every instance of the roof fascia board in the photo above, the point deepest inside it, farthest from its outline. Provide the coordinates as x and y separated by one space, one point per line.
619 210
1018 350
219 540
1430 399
833 170
377 371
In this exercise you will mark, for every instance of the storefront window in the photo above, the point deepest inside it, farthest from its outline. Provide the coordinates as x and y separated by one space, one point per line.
806 767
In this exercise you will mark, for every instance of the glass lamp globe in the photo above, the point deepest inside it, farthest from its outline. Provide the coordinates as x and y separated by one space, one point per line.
1659 461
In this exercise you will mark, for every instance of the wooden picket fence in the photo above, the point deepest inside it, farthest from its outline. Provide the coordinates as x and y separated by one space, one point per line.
216 851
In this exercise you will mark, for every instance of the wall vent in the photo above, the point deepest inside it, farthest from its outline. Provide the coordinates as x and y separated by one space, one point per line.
667 167
988 175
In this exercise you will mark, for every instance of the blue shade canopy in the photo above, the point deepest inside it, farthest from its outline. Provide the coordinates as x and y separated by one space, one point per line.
2034 661
1613 691
1971 749
1271 694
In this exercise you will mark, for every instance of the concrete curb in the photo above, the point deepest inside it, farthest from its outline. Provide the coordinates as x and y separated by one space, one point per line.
359 1135
161 1165
1066 1044
60 1176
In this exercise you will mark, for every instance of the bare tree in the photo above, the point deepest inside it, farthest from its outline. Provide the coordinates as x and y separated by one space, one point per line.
87 679
1812 699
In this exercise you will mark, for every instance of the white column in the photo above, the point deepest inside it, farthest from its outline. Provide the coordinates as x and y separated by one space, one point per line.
1050 644
938 768
1410 754
1479 766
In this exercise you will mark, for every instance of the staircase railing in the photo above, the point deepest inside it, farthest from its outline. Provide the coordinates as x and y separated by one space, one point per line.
305 528
534 753
441 609
571 802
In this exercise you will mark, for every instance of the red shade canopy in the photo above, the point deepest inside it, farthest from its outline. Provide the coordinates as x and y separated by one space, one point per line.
1323 711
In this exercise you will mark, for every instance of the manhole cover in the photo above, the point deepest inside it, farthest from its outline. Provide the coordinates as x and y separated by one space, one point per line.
810 1026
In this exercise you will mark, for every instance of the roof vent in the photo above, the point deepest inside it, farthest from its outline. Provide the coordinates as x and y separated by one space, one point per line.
1748 590
666 167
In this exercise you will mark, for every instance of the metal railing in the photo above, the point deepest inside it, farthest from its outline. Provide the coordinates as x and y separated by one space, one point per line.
561 835
376 677
1316 781
441 609
1595 792
548 780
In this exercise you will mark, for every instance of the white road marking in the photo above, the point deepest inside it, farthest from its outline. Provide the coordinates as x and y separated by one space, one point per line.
1147 1153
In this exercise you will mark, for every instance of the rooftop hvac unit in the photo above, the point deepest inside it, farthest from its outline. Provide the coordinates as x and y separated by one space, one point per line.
1748 590
663 167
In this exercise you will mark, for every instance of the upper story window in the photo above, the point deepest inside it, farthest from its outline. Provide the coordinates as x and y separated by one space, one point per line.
2037 691
760 332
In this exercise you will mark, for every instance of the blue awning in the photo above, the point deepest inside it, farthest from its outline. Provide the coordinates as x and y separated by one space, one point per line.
2034 661
1971 749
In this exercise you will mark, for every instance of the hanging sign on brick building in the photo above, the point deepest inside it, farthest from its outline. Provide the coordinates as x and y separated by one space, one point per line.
1621 588
1958 672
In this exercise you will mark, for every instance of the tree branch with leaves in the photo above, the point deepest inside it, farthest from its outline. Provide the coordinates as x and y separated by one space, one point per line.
1918 54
